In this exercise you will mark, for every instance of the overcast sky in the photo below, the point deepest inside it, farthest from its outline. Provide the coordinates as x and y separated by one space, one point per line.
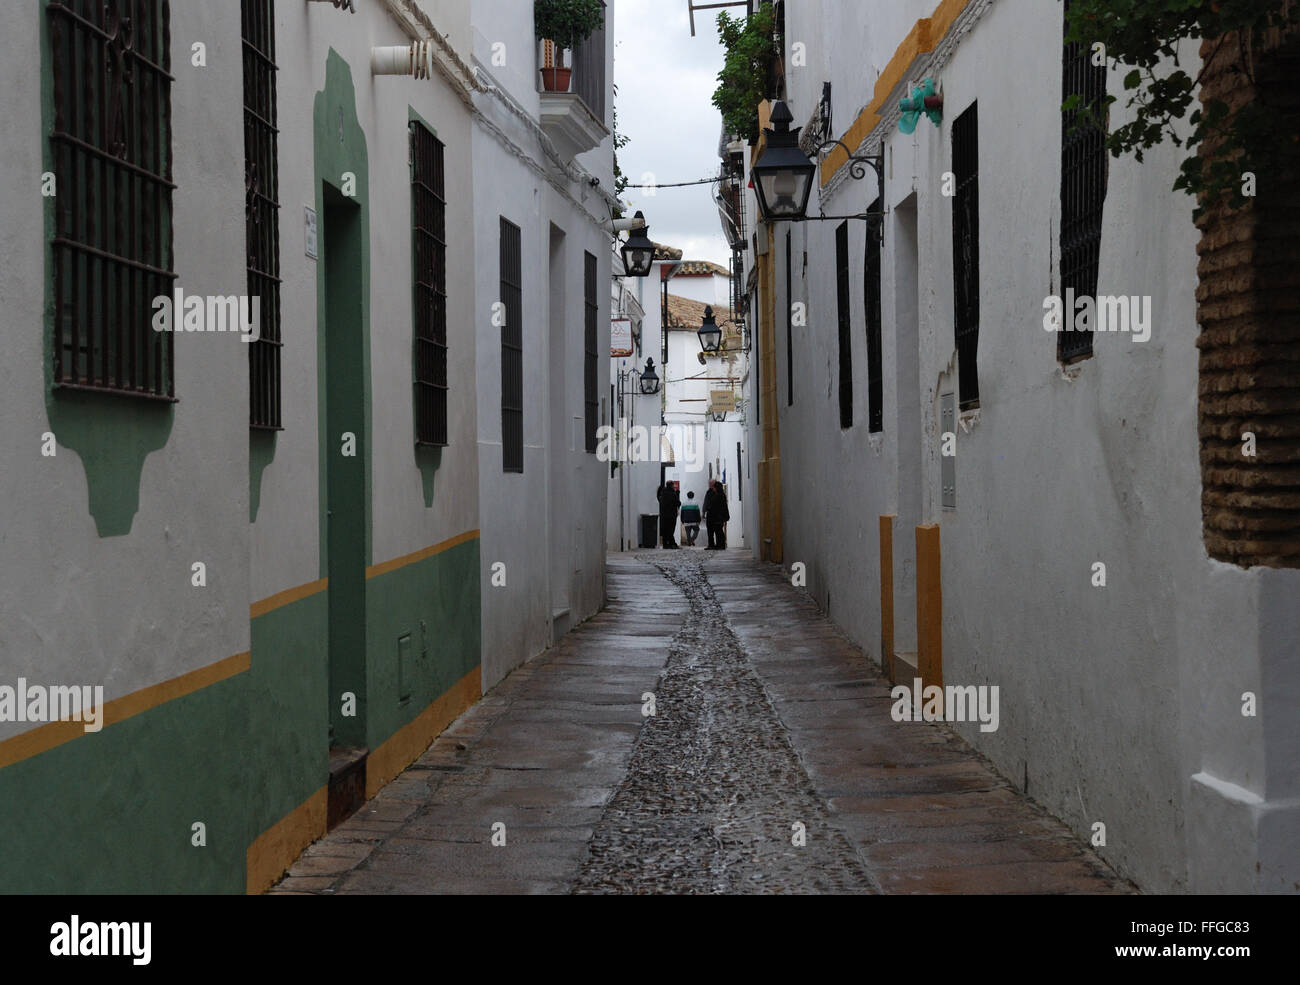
665 82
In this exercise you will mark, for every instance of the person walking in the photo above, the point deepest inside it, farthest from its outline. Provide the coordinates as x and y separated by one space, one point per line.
669 502
723 512
714 512
690 519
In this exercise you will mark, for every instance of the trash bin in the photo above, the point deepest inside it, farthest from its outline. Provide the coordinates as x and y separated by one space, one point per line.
649 529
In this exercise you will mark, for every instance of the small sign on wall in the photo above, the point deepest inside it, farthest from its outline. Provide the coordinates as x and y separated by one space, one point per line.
620 338
722 401
309 231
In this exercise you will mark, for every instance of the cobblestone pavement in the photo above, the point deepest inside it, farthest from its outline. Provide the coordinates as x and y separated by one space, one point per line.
766 717
714 790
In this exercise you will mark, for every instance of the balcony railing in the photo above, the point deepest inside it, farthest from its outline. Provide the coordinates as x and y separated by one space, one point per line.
589 73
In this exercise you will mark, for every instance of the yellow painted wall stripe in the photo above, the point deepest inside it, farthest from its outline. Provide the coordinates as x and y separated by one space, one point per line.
274 849
46 737
400 562
929 606
289 595
406 745
925 35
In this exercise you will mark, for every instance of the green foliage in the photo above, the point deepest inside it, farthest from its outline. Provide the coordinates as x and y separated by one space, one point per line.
567 22
1144 34
621 180
750 46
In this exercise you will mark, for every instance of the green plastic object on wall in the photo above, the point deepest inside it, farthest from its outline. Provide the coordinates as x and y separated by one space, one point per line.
924 99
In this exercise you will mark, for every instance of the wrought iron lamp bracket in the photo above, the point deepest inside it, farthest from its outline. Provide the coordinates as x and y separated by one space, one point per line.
858 164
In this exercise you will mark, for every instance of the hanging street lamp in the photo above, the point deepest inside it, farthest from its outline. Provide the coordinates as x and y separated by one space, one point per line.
649 379
783 176
710 334
638 252
719 416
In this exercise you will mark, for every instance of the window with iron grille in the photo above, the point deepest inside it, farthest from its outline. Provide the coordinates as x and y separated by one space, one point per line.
111 142
845 322
429 234
871 299
1083 189
512 351
262 209
966 253
591 358
789 326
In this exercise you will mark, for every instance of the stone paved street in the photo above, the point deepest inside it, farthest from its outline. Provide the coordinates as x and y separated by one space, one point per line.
767 723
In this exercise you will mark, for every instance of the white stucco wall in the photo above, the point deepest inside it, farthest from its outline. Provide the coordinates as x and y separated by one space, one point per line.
1111 698
547 524
120 611
285 552
714 289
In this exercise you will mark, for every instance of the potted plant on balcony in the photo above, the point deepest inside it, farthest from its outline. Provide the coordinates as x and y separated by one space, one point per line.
566 24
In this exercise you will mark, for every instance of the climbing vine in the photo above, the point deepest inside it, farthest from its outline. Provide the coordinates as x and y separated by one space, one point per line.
1145 35
750 46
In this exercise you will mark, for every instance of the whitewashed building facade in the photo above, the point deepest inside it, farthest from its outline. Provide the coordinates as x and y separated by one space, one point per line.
1154 697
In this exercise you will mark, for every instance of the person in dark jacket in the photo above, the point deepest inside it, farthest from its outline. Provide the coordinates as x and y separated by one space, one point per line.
716 516
669 503
723 512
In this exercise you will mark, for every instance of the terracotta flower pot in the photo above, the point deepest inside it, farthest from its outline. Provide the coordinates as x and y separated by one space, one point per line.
556 79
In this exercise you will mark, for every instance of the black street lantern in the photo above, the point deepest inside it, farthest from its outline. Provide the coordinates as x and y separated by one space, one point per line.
638 252
783 176
710 334
719 416
649 379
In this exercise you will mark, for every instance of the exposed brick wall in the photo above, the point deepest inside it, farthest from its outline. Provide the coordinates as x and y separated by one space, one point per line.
1249 312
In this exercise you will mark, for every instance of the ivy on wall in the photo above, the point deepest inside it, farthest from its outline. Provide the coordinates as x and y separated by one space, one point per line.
1145 35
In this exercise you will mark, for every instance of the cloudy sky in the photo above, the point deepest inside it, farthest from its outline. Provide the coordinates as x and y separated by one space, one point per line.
665 82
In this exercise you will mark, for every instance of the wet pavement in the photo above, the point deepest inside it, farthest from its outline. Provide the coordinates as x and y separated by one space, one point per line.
770 764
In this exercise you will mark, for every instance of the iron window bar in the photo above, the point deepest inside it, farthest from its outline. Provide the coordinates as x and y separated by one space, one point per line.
871 277
429 242
589 72
965 253
512 349
111 143
1084 167
844 324
262 210
591 355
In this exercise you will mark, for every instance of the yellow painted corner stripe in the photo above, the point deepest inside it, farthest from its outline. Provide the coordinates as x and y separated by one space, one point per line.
926 33
407 744
275 849
287 596
400 562
45 737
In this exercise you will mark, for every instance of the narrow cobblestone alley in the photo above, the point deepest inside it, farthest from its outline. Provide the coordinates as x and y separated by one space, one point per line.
770 765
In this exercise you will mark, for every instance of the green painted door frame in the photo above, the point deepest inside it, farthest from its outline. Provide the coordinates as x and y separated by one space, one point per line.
345 464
